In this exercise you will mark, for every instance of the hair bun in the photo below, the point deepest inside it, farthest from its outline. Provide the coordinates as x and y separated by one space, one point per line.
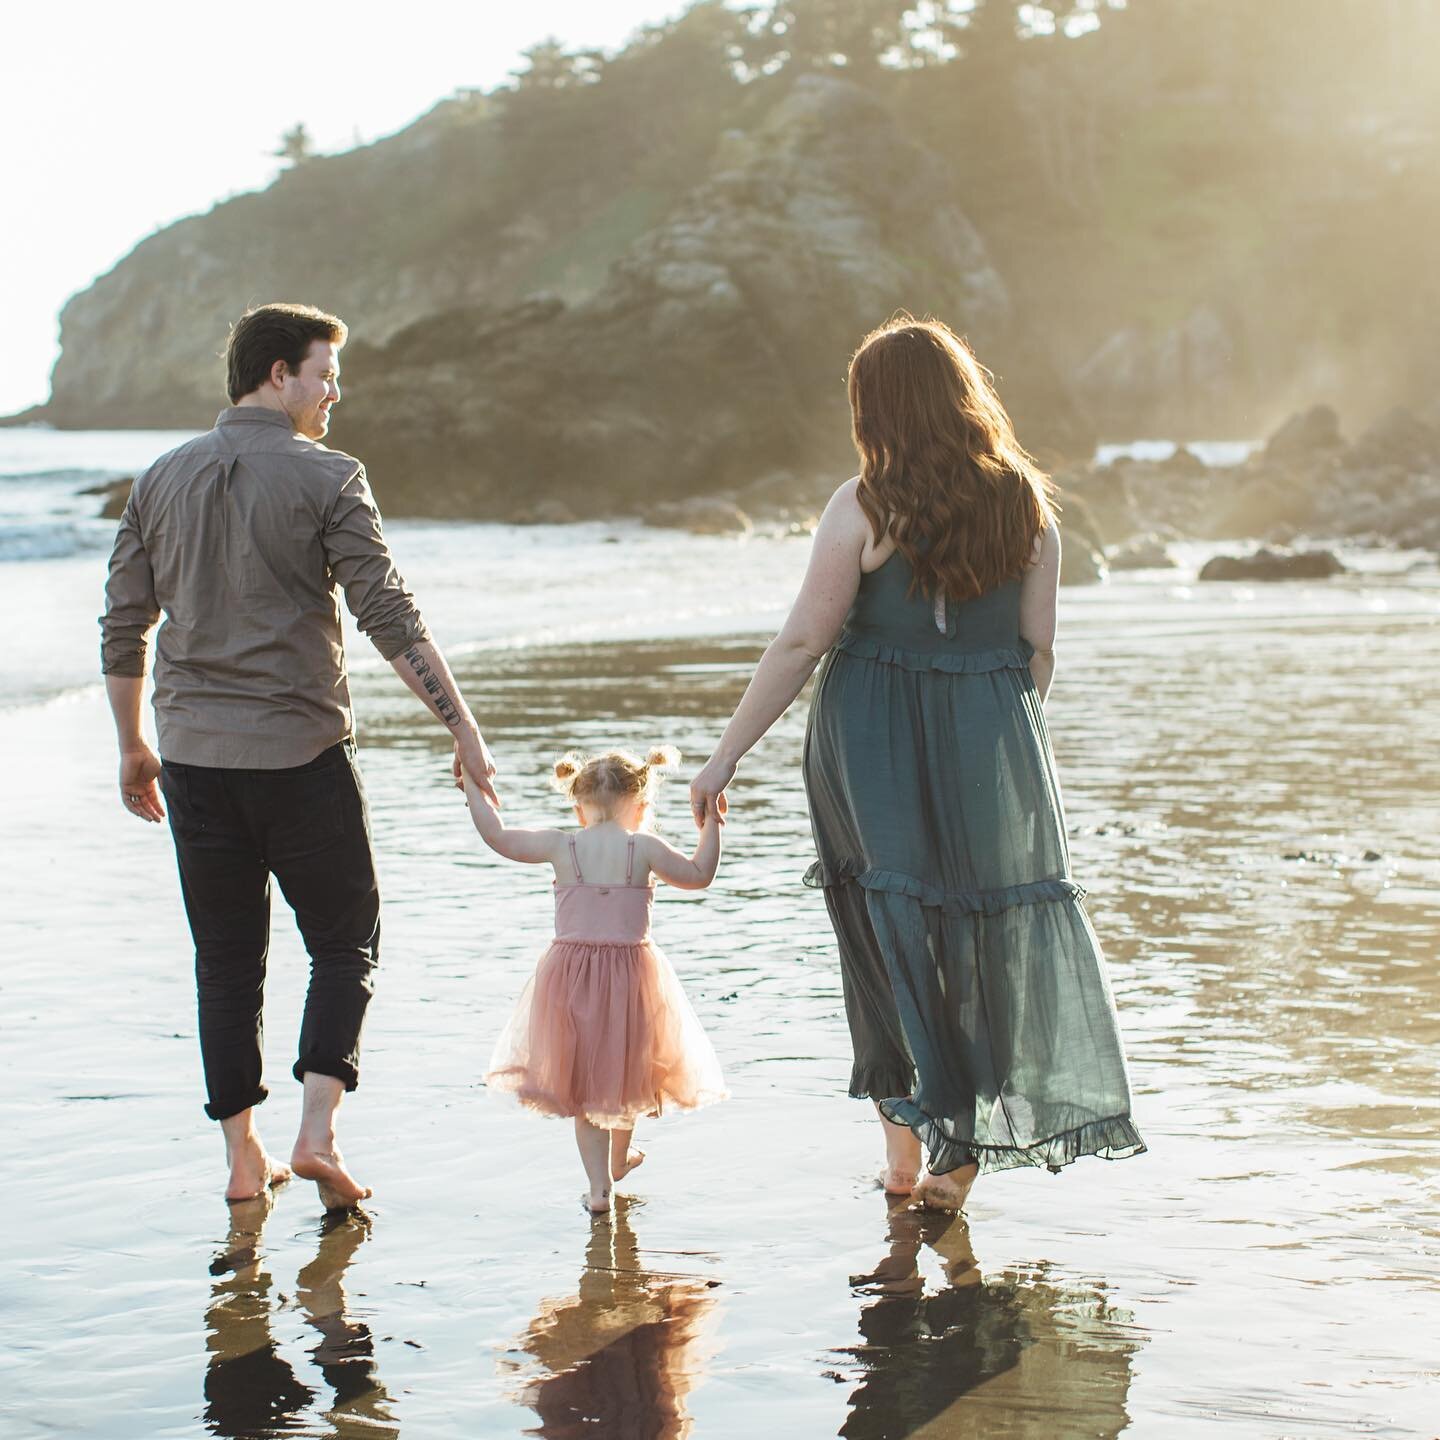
567 767
662 757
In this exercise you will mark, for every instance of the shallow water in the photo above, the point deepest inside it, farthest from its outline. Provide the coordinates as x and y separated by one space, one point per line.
1253 797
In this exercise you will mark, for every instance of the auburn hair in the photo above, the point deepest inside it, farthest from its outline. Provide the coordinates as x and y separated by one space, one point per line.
614 776
941 471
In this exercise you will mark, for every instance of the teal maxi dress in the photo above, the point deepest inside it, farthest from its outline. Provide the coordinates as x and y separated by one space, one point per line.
974 985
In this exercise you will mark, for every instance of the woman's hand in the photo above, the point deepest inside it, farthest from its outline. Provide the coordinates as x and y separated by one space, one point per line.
707 790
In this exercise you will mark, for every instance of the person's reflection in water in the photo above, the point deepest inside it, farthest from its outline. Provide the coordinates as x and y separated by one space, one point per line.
1037 1360
624 1352
346 1352
251 1391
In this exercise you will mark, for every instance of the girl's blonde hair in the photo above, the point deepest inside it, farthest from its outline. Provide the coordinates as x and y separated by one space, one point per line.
605 780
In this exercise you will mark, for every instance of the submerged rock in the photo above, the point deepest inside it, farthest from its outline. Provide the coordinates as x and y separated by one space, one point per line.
703 515
1274 565
117 496
1145 552
1081 561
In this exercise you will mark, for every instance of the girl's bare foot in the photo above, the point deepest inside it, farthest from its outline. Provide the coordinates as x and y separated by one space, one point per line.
620 1168
945 1192
338 1188
597 1202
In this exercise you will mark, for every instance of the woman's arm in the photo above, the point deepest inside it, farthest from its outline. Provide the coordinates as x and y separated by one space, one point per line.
815 619
534 847
686 872
1039 593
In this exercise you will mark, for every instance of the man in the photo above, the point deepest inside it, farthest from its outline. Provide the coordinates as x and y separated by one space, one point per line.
241 538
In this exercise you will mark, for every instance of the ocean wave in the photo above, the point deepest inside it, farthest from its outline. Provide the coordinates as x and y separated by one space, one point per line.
69 475
53 540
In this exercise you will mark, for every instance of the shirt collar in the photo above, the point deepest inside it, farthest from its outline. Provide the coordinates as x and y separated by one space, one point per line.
254 415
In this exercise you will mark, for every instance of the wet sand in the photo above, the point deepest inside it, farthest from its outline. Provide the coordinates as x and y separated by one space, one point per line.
1231 761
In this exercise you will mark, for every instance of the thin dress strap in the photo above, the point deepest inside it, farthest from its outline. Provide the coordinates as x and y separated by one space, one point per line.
630 862
575 860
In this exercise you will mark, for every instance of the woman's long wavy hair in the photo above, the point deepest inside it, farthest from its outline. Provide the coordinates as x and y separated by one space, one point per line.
940 468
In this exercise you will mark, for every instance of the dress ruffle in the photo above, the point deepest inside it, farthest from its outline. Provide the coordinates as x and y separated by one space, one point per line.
1112 1138
604 1031
949 662
821 876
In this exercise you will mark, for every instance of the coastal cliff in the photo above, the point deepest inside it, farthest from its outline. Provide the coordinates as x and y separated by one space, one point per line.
632 279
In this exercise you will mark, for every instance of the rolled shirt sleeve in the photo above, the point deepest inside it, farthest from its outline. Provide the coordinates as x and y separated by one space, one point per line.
360 560
131 609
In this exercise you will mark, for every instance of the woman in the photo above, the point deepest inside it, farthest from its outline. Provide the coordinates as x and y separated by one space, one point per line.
976 993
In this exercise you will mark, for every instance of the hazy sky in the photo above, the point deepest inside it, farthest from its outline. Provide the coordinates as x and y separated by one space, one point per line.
117 119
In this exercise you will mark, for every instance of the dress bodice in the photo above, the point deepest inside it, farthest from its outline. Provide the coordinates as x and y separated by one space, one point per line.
617 914
603 914
886 619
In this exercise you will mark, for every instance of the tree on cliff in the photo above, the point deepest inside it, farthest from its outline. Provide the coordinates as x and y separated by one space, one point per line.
295 146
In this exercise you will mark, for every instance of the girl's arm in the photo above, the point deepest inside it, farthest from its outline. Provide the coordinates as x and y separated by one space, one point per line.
814 622
534 847
686 872
1039 594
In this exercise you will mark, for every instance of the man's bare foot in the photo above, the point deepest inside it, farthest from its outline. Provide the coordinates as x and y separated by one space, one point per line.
896 1180
597 1202
338 1188
253 1172
945 1192
633 1158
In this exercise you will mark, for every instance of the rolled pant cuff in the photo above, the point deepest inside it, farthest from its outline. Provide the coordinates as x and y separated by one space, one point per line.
224 1109
340 1070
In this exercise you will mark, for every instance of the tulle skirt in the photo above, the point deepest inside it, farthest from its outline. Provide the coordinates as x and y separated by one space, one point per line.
605 1031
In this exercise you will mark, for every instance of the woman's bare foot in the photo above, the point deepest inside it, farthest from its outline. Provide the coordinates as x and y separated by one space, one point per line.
338 1188
945 1192
597 1202
621 1167
898 1180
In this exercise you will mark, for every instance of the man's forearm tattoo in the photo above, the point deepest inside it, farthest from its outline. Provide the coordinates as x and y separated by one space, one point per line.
430 682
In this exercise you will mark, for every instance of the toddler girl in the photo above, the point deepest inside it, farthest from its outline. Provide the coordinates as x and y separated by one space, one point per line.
603 1031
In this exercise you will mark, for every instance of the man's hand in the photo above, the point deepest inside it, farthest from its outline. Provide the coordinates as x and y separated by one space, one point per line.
140 795
473 758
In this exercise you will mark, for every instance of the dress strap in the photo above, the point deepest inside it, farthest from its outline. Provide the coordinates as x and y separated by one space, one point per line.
630 862
575 860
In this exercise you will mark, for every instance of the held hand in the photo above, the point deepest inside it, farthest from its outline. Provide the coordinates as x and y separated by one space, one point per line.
139 794
473 758
707 791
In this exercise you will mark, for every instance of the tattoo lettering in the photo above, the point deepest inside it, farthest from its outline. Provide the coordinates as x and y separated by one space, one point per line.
430 683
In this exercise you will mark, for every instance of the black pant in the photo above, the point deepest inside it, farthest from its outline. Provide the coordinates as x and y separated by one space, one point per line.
309 826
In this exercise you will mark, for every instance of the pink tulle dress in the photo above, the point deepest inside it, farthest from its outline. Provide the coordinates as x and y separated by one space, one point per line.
603 1029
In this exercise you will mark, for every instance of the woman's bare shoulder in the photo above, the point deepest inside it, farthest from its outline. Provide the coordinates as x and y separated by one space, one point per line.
1047 547
845 511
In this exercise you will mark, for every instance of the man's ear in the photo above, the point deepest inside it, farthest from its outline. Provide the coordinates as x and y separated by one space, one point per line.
279 373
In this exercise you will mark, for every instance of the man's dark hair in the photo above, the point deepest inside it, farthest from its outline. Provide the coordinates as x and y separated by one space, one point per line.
274 332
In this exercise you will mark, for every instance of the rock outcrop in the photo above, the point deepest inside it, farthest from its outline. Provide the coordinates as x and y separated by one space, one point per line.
1267 564
1307 481
701 344
715 353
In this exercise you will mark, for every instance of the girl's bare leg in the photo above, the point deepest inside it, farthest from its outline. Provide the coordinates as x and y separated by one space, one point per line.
902 1157
594 1146
622 1158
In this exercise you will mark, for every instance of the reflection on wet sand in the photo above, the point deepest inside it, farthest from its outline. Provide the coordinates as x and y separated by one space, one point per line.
621 1355
251 1390
1016 1355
